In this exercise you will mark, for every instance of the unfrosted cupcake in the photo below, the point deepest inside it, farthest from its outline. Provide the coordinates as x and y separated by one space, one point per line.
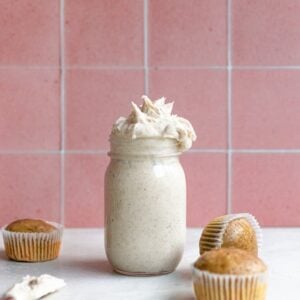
229 273
240 231
32 240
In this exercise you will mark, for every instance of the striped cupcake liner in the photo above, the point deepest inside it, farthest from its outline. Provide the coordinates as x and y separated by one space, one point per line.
212 235
210 286
33 247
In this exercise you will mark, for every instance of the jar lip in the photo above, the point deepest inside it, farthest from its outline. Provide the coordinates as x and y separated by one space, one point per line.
140 155
143 147
116 138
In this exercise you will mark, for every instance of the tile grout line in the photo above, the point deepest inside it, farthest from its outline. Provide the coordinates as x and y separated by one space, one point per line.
62 111
38 67
174 67
266 67
146 67
160 67
99 151
266 151
229 108
194 150
103 67
207 150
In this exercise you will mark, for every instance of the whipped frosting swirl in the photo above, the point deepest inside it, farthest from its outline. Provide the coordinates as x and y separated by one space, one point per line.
154 119
32 288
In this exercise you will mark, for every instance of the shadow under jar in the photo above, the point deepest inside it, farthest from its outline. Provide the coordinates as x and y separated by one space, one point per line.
145 206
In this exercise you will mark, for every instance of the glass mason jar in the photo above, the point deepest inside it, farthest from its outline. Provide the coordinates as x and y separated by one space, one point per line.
145 206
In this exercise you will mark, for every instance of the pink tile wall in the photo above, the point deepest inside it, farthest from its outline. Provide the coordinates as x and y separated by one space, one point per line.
29 186
266 109
266 32
69 68
206 188
104 32
30 109
90 93
200 97
187 33
267 185
84 174
29 33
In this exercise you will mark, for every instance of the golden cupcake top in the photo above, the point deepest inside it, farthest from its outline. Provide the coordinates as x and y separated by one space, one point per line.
240 234
230 261
237 230
30 225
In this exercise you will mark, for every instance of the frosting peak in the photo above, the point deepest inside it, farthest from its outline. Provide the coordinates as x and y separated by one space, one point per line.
155 119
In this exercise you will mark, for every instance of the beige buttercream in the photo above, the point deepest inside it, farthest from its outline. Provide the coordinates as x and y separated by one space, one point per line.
155 119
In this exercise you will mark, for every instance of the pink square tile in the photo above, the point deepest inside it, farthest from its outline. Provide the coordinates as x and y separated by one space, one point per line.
206 186
104 32
84 197
266 109
29 187
266 32
200 96
29 32
95 100
187 32
267 185
30 109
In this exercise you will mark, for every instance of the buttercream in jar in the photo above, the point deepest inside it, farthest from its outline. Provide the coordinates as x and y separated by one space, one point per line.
145 190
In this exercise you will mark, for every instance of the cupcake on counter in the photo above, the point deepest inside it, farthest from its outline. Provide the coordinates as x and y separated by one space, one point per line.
229 273
240 231
32 240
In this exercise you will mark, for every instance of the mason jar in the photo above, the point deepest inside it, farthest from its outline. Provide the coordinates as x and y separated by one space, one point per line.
145 206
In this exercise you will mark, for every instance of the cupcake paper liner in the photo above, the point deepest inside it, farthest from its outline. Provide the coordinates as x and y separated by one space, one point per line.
31 246
210 286
212 235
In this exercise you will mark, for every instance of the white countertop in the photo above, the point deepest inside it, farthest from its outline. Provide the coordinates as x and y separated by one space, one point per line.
88 275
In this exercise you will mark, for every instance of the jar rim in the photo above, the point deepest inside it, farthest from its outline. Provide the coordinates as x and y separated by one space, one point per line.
143 147
129 139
